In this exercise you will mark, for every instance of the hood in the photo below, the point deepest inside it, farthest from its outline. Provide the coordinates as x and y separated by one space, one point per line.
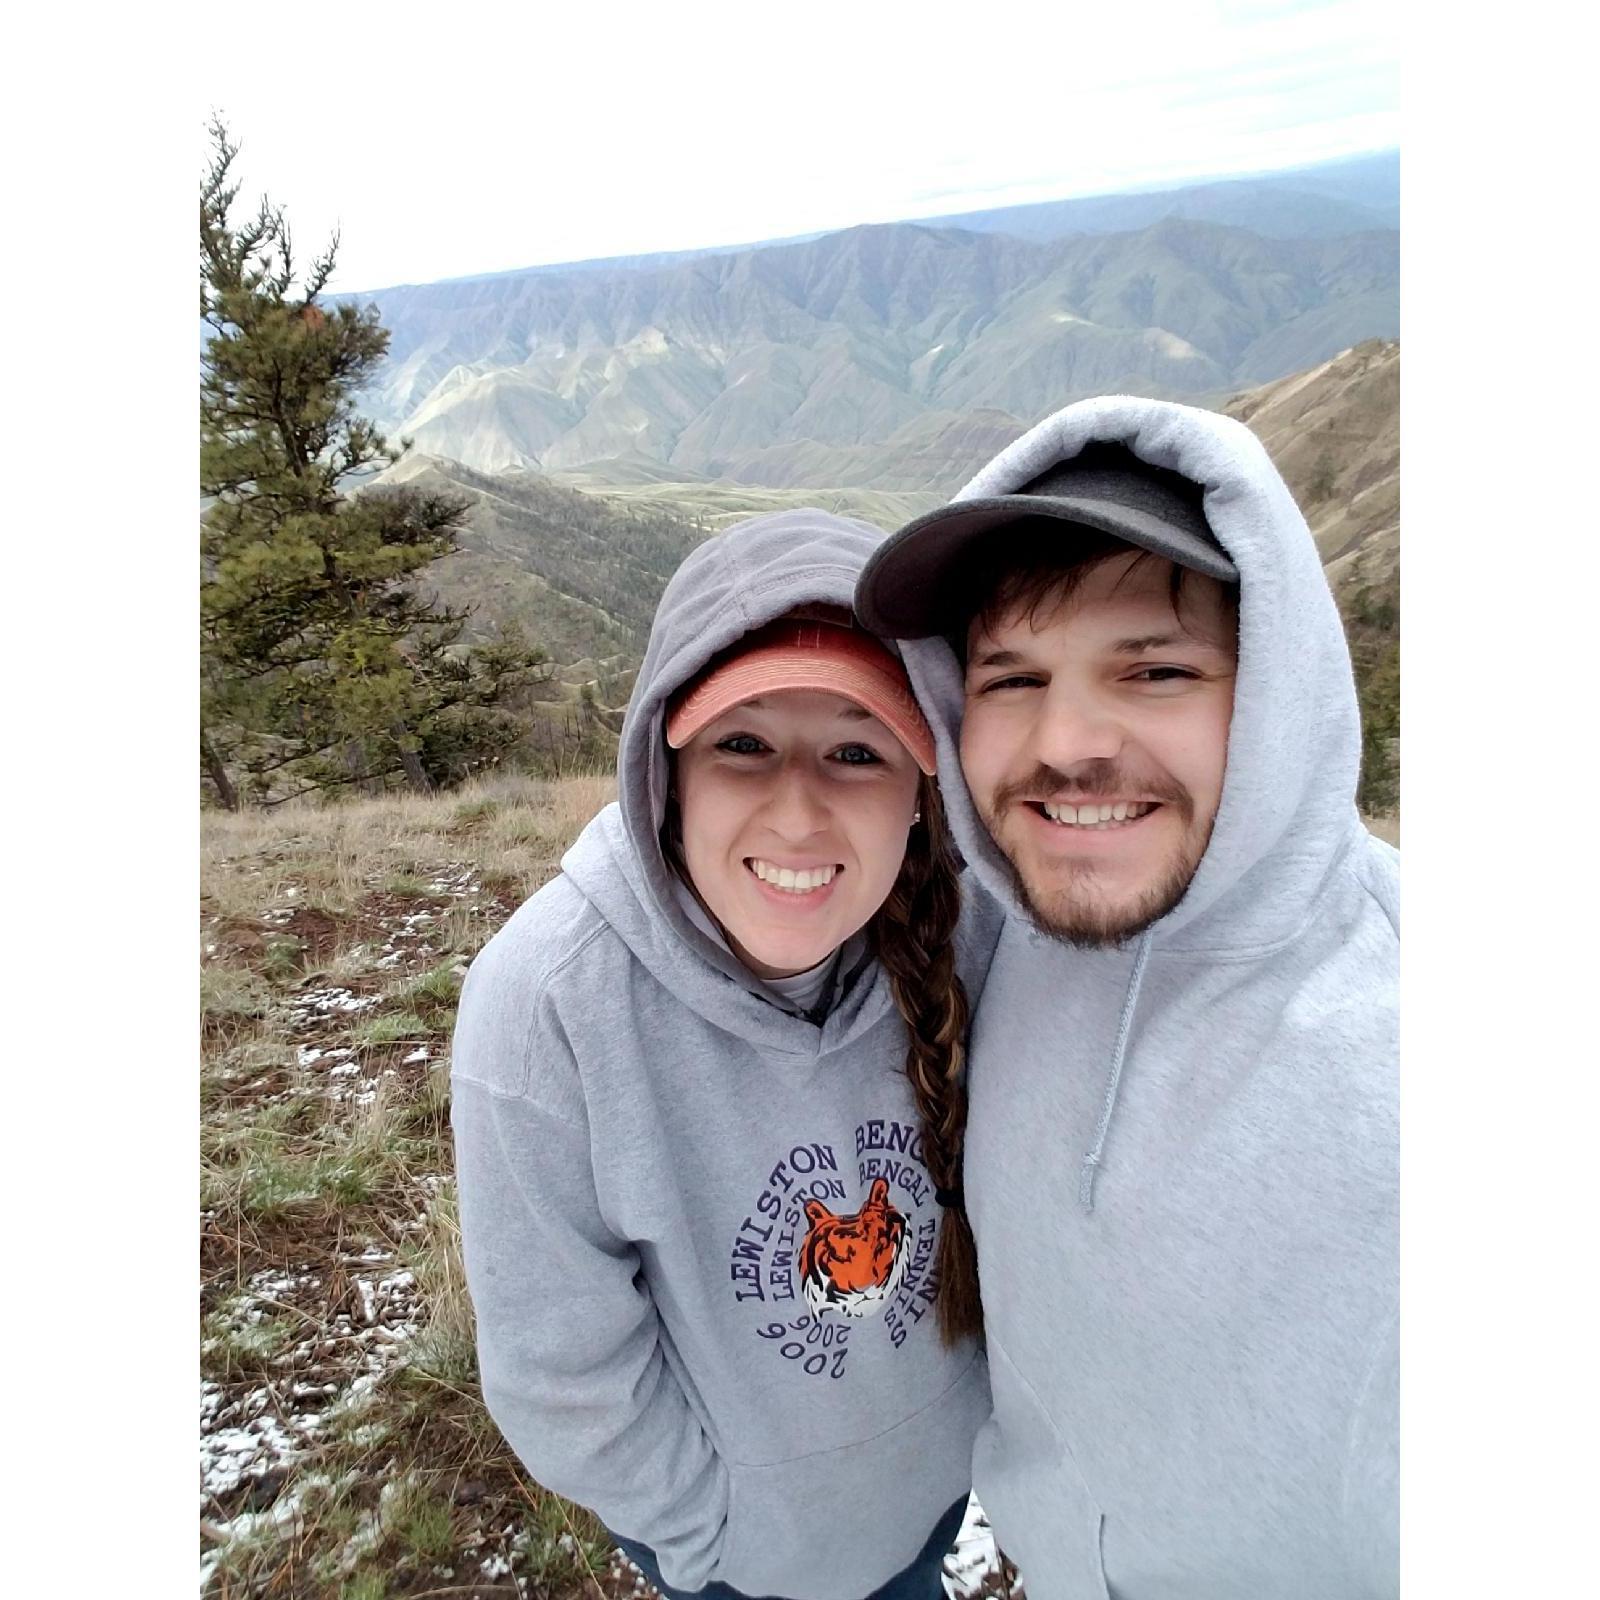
731 584
1287 812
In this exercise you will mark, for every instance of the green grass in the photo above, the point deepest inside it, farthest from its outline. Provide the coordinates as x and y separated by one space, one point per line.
368 1585
472 814
407 886
434 994
231 997
232 1349
421 1522
284 958
393 1027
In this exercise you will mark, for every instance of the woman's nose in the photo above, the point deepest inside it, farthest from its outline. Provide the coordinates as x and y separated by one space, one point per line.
796 808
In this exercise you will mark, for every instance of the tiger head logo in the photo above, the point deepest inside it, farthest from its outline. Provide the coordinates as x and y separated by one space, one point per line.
854 1263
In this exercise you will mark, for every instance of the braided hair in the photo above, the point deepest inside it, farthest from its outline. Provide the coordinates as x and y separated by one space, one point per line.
913 935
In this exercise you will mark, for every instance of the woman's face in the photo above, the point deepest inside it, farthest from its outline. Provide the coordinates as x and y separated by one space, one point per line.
795 809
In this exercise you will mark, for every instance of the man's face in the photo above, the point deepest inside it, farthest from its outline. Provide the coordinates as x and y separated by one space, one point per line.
1094 742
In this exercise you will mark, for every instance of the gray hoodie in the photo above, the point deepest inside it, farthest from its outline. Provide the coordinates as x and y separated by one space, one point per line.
1181 1164
645 1140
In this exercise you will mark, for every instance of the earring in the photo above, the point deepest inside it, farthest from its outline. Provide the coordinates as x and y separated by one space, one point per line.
916 817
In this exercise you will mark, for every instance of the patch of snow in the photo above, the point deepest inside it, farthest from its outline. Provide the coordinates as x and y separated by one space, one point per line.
256 1443
415 1057
316 1005
974 1557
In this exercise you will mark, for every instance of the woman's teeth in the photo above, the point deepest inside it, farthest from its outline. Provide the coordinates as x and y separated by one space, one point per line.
801 882
1105 815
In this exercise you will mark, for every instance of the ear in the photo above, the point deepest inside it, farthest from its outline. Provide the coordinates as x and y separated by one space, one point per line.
878 1194
817 1212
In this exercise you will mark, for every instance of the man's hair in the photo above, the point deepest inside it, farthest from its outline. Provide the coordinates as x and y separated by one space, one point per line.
1036 564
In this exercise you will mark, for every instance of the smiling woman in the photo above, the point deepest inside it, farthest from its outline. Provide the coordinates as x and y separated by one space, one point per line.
709 1107
793 803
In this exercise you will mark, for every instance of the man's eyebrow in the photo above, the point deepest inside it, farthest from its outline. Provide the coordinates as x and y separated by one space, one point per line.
1159 641
996 658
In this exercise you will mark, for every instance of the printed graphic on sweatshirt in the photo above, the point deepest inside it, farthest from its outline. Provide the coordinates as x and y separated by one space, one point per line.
840 1251
854 1263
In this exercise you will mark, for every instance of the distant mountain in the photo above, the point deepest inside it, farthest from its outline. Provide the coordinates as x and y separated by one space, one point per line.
795 363
1353 195
584 565
1362 192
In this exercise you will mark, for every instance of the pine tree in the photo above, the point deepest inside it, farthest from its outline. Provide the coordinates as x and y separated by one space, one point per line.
321 664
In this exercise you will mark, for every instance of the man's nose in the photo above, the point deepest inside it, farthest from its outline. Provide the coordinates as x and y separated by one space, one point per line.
1073 726
796 808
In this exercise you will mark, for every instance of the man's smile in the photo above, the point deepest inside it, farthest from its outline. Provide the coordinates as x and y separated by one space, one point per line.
1095 814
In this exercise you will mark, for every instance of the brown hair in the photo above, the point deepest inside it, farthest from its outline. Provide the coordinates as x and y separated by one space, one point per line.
1041 562
913 935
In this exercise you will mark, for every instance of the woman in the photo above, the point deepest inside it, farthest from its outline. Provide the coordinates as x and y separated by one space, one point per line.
701 1211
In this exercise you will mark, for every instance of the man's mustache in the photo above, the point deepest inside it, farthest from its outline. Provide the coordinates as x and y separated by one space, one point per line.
1097 779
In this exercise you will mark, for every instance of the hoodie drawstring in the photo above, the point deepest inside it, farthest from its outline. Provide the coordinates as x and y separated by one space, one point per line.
1124 1027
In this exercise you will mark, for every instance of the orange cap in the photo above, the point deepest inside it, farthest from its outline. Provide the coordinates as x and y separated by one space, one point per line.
796 654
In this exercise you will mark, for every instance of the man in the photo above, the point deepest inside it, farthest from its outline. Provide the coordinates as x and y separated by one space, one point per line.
1181 1157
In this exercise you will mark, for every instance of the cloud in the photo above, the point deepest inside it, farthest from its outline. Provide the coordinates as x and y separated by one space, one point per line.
585 134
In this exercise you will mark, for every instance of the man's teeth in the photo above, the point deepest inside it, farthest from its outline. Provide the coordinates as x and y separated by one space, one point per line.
801 882
1103 815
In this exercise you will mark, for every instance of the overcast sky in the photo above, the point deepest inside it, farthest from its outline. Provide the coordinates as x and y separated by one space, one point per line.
447 146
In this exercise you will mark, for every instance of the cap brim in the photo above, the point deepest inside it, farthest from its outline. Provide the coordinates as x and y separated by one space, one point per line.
911 588
774 672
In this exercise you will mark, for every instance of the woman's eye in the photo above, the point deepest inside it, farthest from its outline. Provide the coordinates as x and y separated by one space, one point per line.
857 755
741 744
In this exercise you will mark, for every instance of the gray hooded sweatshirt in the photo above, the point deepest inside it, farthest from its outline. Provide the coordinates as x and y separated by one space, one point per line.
1181 1163
646 1140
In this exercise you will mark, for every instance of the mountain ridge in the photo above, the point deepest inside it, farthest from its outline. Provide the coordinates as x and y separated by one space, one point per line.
826 345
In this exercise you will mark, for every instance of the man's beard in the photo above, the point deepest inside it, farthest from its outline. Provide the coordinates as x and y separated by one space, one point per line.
1075 915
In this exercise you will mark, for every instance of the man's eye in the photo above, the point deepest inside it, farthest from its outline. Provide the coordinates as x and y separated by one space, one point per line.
1164 674
1018 680
857 755
741 744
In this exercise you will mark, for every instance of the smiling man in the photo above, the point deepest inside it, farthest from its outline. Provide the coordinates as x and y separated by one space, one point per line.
1181 1158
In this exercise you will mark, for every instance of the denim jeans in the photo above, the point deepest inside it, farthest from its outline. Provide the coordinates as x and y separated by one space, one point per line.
920 1581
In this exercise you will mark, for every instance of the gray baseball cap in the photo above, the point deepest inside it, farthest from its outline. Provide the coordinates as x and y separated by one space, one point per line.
914 586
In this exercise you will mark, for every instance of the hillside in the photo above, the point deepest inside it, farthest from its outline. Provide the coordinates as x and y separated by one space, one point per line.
838 360
581 564
581 572
1334 434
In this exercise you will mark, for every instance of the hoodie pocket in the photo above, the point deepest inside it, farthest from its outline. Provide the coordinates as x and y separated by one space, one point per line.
840 1523
1035 1496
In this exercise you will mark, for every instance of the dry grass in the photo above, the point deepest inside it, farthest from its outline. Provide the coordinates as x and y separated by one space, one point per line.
345 1449
1386 828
